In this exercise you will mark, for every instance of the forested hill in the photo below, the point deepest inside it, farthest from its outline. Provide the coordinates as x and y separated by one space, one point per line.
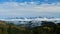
45 28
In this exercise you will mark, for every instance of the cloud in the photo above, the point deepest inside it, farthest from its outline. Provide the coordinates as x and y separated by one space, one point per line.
25 8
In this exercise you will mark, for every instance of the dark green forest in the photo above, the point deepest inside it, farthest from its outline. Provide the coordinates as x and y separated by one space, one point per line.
45 28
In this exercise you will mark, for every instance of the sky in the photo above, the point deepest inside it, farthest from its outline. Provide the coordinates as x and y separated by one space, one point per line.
30 8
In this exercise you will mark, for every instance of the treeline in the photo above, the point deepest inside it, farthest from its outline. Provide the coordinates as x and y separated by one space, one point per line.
45 28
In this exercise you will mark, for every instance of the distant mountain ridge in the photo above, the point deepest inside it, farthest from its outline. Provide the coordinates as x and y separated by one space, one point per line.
29 18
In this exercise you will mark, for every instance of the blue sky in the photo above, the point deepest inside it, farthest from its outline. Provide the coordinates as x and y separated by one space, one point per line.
30 8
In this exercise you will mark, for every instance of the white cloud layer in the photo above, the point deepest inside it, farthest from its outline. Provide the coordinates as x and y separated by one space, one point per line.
14 8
